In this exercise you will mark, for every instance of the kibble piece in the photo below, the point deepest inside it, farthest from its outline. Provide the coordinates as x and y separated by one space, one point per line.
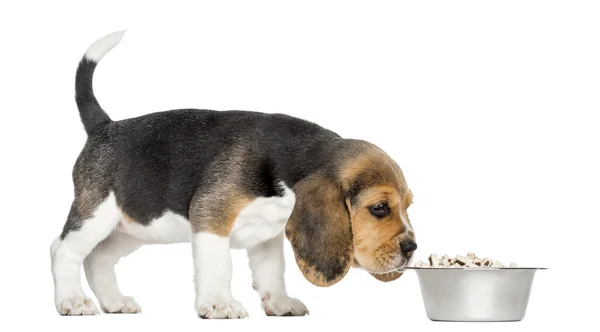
487 262
513 264
434 261
470 264
462 260
497 264
446 263
472 255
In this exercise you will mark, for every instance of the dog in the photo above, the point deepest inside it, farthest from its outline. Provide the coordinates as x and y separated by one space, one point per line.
224 180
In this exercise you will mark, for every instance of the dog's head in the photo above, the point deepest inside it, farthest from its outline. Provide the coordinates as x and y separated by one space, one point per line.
352 211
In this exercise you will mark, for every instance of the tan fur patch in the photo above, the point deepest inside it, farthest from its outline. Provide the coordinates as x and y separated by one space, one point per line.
368 157
376 244
127 218
216 214
407 199
215 207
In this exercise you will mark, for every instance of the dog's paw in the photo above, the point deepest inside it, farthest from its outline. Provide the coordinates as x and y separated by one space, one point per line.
283 306
77 306
216 308
124 304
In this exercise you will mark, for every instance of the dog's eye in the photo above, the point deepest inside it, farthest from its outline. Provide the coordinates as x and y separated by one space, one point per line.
379 210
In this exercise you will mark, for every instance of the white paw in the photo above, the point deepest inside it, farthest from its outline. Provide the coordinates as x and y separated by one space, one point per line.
77 306
283 306
124 304
216 308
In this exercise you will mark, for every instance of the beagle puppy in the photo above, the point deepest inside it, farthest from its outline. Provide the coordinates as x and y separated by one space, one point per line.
224 180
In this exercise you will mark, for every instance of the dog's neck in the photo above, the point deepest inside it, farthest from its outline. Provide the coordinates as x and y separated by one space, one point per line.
330 156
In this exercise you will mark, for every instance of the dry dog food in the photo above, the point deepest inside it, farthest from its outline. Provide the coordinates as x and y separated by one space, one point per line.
470 260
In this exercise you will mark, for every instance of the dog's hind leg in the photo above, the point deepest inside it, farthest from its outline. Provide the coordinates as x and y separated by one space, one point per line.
99 268
92 218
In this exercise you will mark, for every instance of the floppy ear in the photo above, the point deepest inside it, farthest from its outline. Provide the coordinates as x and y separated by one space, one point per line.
320 231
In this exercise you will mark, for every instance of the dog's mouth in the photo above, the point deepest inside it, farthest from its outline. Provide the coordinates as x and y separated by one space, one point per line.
396 268
400 269
389 275
384 263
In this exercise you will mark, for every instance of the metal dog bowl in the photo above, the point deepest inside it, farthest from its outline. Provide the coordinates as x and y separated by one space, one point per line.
475 294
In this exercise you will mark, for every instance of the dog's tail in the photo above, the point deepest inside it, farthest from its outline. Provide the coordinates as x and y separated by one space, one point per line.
89 109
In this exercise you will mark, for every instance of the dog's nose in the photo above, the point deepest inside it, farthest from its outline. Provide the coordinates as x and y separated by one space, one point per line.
408 247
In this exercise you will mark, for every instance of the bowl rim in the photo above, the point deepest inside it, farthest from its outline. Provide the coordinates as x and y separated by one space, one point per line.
474 268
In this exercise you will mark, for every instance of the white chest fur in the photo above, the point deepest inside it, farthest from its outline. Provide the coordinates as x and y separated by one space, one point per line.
262 219
259 221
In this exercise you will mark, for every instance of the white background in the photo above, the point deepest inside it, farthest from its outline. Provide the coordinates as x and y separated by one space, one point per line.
490 108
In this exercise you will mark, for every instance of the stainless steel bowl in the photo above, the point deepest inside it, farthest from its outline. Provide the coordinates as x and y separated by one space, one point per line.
475 294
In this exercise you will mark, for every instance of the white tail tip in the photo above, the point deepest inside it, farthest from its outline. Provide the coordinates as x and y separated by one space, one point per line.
100 47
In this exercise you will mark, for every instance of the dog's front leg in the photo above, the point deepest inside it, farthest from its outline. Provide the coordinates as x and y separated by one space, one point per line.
213 270
268 266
